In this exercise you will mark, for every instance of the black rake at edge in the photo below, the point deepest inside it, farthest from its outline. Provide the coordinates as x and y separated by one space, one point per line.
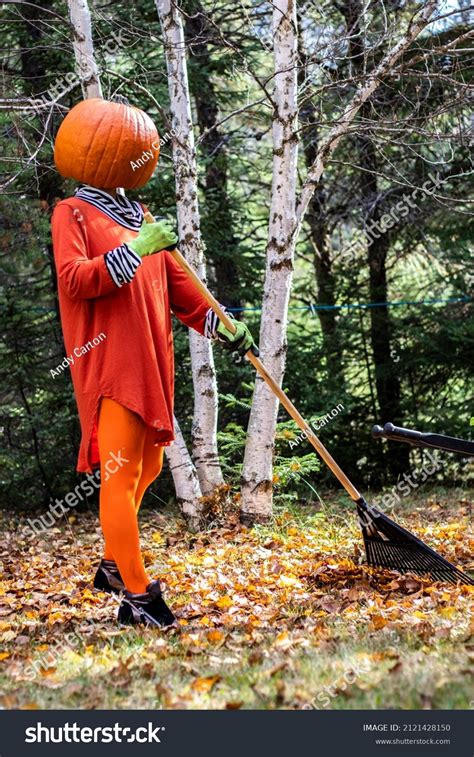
388 545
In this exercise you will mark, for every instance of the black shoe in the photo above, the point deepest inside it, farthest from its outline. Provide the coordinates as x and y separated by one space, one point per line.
108 577
148 609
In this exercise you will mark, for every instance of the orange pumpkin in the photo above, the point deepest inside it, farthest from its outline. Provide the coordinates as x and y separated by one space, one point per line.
107 145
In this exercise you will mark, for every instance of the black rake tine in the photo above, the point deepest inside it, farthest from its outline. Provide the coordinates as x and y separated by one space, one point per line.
401 550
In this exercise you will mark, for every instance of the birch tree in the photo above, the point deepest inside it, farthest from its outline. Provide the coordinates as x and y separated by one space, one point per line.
217 220
286 217
86 66
185 479
204 428
257 470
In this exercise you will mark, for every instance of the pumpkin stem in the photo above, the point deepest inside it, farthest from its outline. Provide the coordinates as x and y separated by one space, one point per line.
120 99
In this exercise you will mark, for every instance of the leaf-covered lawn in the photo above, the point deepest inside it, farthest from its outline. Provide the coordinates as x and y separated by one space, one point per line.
286 616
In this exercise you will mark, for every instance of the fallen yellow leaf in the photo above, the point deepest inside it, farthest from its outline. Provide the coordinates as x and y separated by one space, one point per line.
447 612
55 616
378 622
288 581
204 685
215 635
224 602
420 614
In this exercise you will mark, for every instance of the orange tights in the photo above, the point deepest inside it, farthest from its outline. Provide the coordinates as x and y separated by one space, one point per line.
129 463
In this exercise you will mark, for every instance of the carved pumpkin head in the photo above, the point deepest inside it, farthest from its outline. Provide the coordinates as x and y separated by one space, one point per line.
107 145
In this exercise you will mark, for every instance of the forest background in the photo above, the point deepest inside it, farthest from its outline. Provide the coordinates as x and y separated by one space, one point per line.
375 314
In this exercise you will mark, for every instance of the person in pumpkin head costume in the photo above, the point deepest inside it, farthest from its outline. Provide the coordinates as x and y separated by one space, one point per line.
116 279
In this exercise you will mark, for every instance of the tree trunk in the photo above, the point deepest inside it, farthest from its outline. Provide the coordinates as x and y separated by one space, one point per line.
317 221
185 478
204 428
217 219
257 470
86 66
386 379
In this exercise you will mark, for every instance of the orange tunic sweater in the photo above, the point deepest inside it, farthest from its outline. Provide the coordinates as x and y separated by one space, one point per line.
118 338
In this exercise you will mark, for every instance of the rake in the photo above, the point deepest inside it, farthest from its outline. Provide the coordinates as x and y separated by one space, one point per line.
387 545
405 547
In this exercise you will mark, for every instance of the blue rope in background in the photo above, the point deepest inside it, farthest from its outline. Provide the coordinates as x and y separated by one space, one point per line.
364 305
348 306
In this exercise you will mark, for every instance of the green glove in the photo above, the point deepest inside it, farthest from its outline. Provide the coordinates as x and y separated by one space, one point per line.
153 237
241 342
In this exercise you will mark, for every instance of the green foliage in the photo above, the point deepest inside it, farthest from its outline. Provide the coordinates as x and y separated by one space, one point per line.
290 468
418 125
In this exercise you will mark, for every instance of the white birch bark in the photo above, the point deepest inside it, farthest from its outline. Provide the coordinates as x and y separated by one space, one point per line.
257 470
86 65
188 490
204 429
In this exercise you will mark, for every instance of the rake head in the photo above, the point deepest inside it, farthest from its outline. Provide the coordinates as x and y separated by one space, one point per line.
388 545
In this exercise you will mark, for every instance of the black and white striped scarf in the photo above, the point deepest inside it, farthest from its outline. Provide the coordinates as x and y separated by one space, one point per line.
120 209
122 263
211 322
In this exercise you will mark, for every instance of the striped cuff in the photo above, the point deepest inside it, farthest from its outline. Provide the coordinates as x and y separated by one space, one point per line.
122 263
211 323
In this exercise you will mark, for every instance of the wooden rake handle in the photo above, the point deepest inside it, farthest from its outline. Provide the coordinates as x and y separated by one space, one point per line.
269 380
